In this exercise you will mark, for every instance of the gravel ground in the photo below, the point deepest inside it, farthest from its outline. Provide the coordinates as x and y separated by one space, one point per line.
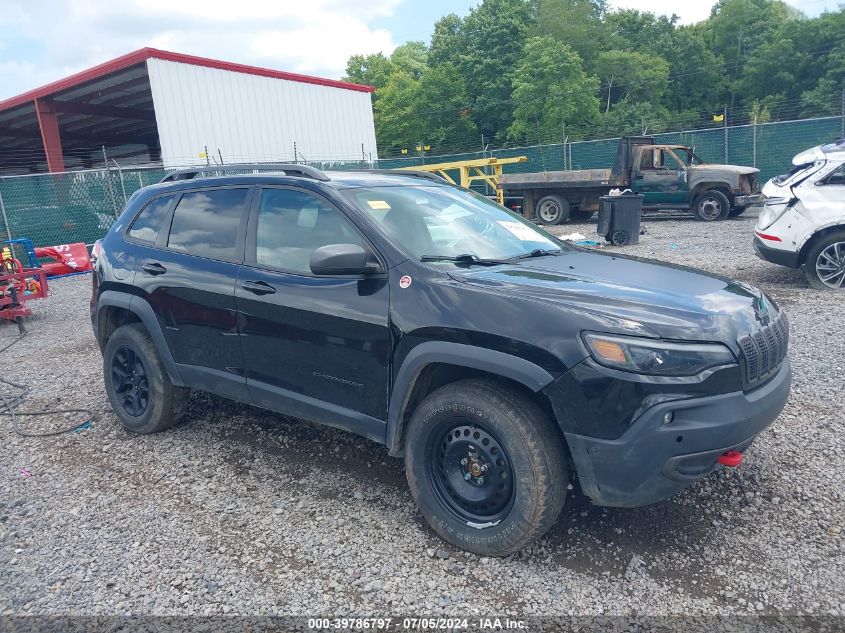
240 511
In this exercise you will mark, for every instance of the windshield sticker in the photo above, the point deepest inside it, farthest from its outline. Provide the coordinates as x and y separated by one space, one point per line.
521 231
378 205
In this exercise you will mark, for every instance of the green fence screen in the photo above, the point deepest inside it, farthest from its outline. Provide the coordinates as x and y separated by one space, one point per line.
81 206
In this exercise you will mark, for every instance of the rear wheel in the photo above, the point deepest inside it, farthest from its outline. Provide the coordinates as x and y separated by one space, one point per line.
552 210
711 205
486 466
137 384
825 263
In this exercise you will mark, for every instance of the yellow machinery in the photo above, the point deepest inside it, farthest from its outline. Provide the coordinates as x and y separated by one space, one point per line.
480 170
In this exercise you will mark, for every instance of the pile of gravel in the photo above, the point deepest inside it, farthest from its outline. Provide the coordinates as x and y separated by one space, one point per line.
239 511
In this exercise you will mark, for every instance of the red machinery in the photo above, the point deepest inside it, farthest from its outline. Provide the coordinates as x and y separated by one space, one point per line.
17 286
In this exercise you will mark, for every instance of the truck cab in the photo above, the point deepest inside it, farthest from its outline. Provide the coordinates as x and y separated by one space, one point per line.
668 176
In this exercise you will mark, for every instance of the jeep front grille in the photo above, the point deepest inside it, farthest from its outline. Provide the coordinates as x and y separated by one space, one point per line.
762 352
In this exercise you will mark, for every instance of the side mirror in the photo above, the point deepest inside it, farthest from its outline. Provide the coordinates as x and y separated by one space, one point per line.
339 259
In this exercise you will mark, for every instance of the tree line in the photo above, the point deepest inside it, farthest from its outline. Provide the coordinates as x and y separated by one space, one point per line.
543 71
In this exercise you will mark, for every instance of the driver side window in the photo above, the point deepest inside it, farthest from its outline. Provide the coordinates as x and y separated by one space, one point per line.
292 224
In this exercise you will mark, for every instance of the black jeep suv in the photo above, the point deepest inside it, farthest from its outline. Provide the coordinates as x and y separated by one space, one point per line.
499 361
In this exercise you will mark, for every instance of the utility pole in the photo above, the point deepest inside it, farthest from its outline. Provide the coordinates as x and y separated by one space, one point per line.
725 125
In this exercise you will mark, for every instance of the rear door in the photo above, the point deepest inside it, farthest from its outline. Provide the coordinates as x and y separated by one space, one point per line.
317 343
188 276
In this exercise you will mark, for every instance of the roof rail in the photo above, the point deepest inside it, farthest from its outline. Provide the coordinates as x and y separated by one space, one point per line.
301 171
413 173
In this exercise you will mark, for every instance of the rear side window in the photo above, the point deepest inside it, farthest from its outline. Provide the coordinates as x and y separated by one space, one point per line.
206 223
149 222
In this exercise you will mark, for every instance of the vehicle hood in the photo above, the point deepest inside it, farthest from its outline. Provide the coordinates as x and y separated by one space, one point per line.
669 301
709 168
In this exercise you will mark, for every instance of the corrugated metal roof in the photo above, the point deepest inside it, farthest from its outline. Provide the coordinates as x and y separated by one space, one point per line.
139 56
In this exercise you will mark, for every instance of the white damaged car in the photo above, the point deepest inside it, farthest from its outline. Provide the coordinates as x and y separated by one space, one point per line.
802 224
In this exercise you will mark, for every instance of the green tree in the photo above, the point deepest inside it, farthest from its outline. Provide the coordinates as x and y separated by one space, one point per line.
736 31
446 41
410 58
492 39
696 74
632 30
577 23
396 124
629 117
368 70
631 76
441 109
550 91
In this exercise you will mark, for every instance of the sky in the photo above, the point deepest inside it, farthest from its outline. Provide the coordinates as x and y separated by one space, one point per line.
44 40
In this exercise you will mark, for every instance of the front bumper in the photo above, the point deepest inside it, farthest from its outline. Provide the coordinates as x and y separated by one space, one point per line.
750 200
653 460
775 255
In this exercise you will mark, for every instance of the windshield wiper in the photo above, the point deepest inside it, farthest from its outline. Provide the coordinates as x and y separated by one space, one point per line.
540 252
465 259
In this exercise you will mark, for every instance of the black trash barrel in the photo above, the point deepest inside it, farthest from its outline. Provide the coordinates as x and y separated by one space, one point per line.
619 218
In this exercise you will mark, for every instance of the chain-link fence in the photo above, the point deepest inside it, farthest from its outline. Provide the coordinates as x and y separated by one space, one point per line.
80 206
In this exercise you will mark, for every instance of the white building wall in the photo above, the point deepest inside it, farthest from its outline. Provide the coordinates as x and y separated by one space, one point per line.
250 118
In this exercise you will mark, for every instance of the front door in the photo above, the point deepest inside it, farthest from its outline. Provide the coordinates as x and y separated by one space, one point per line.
188 277
312 345
661 177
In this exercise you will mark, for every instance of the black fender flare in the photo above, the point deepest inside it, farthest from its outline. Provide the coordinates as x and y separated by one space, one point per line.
515 368
143 310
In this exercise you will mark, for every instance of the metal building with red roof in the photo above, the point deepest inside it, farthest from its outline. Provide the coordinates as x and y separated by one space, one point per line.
152 105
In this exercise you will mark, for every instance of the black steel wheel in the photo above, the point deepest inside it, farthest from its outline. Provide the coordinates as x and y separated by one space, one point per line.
486 466
471 473
129 377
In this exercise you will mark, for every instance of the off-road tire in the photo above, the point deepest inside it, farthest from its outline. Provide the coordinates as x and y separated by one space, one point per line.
531 443
704 206
552 210
812 260
165 402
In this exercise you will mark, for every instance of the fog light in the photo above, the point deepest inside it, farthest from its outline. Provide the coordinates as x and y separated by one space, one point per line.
668 417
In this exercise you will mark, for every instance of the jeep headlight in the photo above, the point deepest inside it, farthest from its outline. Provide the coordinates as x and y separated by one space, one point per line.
656 357
773 210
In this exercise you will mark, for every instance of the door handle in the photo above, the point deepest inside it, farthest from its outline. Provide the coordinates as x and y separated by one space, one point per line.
258 287
154 268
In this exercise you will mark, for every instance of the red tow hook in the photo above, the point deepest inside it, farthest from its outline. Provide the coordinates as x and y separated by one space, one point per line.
732 459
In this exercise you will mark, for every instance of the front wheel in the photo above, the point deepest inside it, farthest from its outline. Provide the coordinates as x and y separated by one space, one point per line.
486 466
825 263
711 205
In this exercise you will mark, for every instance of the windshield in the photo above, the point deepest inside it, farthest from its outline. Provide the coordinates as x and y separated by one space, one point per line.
449 222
